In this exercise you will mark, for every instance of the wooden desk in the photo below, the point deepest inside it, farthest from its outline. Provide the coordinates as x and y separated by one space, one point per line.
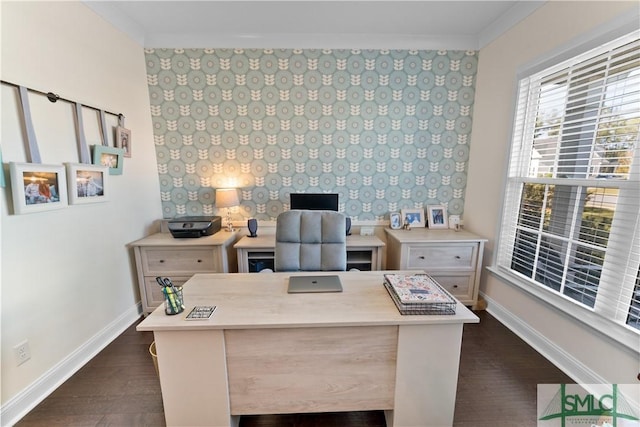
255 253
265 351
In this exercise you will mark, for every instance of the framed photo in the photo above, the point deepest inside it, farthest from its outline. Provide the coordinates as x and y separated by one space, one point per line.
123 140
37 188
1 170
437 216
395 220
415 217
111 157
87 183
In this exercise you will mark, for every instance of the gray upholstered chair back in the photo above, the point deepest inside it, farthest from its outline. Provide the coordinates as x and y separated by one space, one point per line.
311 241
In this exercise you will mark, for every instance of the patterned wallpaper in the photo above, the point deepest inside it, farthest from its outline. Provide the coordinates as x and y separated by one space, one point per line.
386 129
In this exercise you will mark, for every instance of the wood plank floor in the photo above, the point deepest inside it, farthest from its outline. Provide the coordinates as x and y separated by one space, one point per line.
119 387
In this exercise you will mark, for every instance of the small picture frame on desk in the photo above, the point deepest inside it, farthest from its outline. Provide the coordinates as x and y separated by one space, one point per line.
437 216
111 157
413 217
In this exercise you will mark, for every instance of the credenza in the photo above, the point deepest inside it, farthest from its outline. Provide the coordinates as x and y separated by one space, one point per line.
254 254
161 254
452 258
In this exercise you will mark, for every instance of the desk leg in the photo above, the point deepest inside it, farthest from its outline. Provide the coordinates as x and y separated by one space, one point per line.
426 375
193 378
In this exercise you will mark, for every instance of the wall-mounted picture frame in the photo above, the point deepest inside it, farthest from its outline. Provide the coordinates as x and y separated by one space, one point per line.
111 157
414 217
395 221
2 181
87 183
123 140
437 216
36 187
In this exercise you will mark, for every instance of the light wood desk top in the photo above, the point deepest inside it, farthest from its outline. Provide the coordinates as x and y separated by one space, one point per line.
250 300
422 235
222 237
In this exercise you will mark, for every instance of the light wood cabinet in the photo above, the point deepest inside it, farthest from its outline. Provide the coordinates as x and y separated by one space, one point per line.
163 255
452 258
257 253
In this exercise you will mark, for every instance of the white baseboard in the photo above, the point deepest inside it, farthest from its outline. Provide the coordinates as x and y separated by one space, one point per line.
18 406
564 361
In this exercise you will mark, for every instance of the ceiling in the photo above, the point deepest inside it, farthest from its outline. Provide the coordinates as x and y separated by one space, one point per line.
362 24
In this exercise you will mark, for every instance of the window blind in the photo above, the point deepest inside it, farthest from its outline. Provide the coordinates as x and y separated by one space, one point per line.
570 219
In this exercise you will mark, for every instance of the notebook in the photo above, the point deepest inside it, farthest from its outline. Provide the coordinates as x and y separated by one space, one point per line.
304 284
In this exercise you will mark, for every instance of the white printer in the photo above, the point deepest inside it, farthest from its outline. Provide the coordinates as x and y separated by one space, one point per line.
194 226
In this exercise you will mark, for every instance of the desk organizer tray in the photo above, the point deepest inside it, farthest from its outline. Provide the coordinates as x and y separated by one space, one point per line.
418 294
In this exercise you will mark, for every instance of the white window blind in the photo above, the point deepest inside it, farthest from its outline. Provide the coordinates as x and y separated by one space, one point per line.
572 201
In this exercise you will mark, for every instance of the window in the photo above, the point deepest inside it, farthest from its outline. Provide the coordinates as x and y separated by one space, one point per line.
572 200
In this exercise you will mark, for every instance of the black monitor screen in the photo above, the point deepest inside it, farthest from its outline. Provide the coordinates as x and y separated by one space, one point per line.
314 201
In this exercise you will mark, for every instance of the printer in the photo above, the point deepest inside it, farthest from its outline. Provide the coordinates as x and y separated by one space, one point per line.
194 226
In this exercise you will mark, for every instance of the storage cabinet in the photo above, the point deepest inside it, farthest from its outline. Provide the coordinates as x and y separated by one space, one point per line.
163 255
257 253
452 258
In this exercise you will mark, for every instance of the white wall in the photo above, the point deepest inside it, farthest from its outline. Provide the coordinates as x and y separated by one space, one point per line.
68 283
588 354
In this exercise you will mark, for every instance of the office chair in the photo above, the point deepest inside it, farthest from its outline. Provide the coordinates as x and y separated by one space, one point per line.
308 240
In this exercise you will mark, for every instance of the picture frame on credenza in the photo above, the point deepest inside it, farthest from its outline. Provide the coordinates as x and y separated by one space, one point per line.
414 217
395 221
437 216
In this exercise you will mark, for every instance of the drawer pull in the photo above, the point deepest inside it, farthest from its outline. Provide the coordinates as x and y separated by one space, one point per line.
161 261
199 260
457 256
455 286
421 257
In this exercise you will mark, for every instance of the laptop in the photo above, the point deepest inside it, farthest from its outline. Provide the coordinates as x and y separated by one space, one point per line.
305 284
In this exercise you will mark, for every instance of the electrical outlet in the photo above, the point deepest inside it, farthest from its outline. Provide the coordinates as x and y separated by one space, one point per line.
22 351
366 231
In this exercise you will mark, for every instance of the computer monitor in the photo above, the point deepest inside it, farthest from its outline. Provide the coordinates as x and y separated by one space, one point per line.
314 201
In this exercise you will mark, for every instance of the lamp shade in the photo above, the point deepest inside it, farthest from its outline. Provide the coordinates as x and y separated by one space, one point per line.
227 197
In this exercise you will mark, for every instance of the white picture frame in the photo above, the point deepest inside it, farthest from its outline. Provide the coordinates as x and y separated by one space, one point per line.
37 188
123 140
87 183
395 221
415 217
437 216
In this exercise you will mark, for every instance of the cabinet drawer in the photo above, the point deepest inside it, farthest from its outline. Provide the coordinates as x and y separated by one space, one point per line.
154 291
441 256
459 285
186 261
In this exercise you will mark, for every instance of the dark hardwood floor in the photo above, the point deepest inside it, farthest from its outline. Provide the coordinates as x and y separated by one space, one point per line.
119 387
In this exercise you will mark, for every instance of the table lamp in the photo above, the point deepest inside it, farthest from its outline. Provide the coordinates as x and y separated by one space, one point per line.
227 198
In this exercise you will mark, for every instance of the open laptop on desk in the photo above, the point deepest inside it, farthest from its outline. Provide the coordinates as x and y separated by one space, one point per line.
310 283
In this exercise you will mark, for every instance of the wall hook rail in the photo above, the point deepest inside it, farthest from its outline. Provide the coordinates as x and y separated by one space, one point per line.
55 98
